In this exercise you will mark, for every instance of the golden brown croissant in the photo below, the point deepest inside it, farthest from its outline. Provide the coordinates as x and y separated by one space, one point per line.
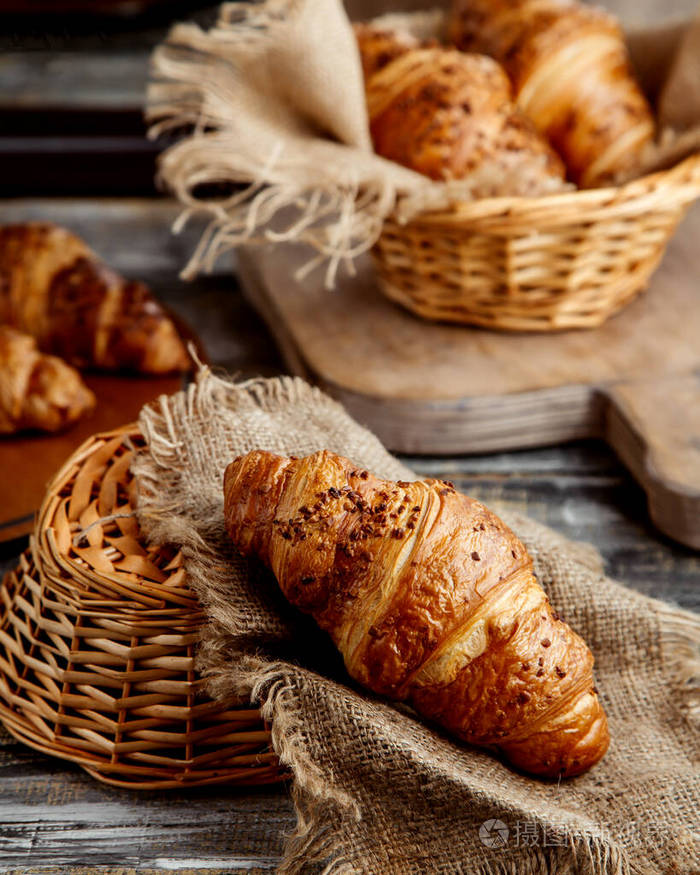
429 598
570 68
37 391
444 113
380 46
55 288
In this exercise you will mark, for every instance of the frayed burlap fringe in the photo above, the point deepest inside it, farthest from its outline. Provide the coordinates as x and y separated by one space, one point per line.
320 806
679 635
323 812
374 788
263 90
275 98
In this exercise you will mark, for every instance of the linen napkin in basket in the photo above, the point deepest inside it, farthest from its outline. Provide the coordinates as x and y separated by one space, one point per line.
376 790
275 95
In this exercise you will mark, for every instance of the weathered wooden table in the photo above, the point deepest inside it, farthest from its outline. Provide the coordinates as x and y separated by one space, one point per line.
70 112
54 817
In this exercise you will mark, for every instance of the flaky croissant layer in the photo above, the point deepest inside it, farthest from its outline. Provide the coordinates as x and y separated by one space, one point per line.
37 391
572 76
429 597
54 288
447 114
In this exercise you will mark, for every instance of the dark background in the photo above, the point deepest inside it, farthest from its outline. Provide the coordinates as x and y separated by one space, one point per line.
72 87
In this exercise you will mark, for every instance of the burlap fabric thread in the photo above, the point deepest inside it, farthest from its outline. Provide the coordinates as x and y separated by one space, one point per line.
376 790
274 95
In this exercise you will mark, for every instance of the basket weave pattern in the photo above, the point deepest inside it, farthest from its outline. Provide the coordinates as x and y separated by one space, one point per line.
97 637
562 261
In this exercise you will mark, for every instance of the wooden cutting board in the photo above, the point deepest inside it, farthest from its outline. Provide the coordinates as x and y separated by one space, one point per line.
432 388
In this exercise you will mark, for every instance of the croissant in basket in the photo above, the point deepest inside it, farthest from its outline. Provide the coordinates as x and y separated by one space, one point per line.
571 72
447 114
53 287
37 391
429 598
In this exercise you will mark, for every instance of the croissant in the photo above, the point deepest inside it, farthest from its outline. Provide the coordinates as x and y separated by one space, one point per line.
444 113
431 600
379 46
37 391
571 72
53 287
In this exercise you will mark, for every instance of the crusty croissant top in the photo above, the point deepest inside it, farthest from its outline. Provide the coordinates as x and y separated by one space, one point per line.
53 287
37 391
429 597
569 65
444 113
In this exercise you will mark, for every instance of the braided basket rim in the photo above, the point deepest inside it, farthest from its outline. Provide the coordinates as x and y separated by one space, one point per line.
564 261
682 178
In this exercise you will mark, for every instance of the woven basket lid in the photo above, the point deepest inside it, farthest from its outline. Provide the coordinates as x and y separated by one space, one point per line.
97 637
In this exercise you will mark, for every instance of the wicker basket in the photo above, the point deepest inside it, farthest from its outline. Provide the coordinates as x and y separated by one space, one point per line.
568 260
97 631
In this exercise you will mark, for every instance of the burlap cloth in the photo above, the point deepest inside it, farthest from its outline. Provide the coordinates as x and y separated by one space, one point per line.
376 790
273 94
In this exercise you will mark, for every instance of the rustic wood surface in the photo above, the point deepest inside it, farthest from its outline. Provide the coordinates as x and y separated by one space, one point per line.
55 818
654 427
363 344
72 90
435 388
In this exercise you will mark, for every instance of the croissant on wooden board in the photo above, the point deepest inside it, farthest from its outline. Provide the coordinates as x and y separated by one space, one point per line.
571 72
445 113
431 600
37 391
53 287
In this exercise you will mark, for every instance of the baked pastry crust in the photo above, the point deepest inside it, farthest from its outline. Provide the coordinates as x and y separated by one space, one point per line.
53 287
37 391
444 113
572 76
431 600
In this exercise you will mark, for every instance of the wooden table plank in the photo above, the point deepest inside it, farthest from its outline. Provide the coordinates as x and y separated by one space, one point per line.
54 818
583 492
62 63
52 814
